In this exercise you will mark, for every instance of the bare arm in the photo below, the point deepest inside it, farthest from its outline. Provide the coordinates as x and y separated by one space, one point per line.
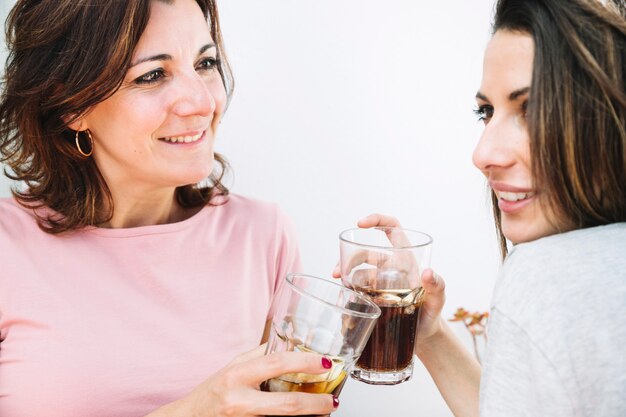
454 370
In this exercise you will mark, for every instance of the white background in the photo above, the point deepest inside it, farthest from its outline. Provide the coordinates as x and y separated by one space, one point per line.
344 108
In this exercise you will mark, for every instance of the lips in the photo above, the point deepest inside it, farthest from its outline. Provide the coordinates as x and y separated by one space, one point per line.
511 202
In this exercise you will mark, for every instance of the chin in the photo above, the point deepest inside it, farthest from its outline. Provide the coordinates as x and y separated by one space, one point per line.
184 181
522 232
194 175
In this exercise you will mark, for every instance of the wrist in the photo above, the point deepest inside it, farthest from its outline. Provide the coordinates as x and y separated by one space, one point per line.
179 408
430 343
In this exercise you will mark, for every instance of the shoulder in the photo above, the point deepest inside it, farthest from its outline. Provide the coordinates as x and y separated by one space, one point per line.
567 258
7 204
577 277
15 218
247 212
563 297
18 229
583 246
239 204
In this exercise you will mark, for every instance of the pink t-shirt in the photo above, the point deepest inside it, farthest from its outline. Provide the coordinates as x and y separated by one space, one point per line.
117 322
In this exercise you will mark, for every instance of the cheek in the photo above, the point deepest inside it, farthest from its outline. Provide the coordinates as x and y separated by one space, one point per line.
218 92
525 154
128 127
522 155
135 113
522 139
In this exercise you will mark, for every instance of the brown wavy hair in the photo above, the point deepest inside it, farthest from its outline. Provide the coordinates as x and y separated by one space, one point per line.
64 57
577 107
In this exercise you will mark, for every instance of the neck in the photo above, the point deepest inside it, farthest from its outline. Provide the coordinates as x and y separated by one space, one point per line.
157 207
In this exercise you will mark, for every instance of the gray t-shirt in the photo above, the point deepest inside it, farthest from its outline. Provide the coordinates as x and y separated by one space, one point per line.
557 331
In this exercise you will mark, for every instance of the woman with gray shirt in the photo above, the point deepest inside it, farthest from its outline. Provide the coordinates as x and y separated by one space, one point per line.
553 150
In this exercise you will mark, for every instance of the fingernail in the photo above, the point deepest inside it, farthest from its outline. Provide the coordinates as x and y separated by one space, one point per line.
335 401
326 363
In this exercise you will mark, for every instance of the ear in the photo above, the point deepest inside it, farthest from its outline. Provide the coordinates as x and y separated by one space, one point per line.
75 122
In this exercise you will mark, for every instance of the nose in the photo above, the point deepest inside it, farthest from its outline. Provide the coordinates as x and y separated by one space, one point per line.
495 147
193 96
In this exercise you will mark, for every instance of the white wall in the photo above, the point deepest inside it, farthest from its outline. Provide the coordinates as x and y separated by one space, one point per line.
343 108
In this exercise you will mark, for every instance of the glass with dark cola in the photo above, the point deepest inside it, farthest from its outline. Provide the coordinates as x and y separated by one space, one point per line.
385 264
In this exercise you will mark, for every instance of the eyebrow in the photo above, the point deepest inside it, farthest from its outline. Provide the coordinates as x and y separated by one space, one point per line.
518 93
512 97
166 57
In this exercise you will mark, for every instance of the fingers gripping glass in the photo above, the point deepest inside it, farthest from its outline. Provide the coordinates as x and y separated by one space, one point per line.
386 263
316 315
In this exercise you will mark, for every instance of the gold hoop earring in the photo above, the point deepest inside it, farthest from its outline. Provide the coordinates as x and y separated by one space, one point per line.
80 149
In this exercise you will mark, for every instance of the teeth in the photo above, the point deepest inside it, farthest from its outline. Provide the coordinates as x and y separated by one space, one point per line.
513 196
183 139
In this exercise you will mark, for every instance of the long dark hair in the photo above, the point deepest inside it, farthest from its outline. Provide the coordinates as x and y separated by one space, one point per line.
577 107
66 56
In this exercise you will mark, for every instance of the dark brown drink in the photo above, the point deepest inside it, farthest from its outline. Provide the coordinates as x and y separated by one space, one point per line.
390 347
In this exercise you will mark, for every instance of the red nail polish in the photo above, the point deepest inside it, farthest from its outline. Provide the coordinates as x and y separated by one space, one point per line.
326 363
335 401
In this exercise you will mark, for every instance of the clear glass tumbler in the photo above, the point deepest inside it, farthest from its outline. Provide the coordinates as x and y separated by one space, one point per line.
316 315
386 263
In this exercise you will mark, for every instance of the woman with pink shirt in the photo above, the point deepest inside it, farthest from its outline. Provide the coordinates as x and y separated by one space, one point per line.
130 277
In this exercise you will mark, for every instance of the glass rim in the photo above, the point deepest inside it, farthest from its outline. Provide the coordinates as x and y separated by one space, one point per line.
429 239
377 312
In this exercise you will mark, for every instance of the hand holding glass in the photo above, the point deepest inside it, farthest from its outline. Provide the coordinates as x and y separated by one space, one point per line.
386 264
316 315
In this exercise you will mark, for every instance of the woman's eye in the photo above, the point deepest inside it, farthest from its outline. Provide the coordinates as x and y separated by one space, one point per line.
207 64
484 112
150 77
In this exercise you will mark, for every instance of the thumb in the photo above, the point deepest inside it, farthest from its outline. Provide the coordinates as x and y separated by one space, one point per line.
435 292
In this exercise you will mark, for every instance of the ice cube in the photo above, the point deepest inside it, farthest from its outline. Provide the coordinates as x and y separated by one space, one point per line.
325 341
278 385
300 328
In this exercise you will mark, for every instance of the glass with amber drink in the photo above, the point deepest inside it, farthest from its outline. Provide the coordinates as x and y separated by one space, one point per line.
386 264
311 314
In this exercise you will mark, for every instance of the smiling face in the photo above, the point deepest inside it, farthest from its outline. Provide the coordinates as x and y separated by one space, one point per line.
503 152
157 131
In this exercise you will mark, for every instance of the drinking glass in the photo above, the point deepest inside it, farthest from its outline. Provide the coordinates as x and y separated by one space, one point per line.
386 264
316 315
